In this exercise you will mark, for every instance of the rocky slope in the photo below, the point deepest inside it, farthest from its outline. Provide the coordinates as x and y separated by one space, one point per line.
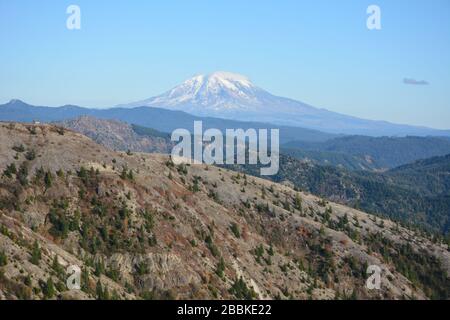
397 194
117 135
140 227
415 194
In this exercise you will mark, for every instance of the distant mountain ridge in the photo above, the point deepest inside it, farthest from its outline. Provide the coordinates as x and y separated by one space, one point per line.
371 152
233 96
159 119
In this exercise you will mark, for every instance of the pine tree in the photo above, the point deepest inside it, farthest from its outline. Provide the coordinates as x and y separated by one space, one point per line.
130 175
298 202
85 283
124 174
3 259
99 291
99 268
220 268
48 178
57 267
10 170
35 254
235 229
322 230
241 291
49 289
286 205
270 251
345 220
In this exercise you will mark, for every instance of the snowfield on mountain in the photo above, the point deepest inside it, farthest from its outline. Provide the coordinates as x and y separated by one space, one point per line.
233 96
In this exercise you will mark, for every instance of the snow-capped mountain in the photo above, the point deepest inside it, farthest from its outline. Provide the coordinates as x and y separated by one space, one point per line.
221 94
212 94
233 96
216 92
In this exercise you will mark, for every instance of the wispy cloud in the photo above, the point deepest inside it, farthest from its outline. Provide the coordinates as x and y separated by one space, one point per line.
415 82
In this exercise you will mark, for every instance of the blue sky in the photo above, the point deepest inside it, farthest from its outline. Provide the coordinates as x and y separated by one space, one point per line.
319 52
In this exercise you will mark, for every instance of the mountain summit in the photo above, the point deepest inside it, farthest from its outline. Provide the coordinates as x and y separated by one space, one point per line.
211 94
227 95
233 96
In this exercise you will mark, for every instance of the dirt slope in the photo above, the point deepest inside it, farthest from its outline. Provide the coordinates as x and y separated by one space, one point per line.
140 227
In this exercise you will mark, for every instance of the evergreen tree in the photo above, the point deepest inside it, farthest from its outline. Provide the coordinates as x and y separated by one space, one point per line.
241 291
85 281
10 170
270 251
3 259
48 178
220 268
35 254
48 289
99 268
99 291
235 229
298 202
57 267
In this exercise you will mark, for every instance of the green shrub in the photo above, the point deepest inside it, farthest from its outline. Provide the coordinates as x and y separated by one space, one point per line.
211 246
19 149
235 229
220 268
22 174
102 294
240 290
3 259
48 179
35 254
48 289
60 222
10 170
298 202
30 155
141 268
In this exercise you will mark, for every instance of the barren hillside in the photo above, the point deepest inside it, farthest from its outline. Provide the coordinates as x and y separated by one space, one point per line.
119 136
140 227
